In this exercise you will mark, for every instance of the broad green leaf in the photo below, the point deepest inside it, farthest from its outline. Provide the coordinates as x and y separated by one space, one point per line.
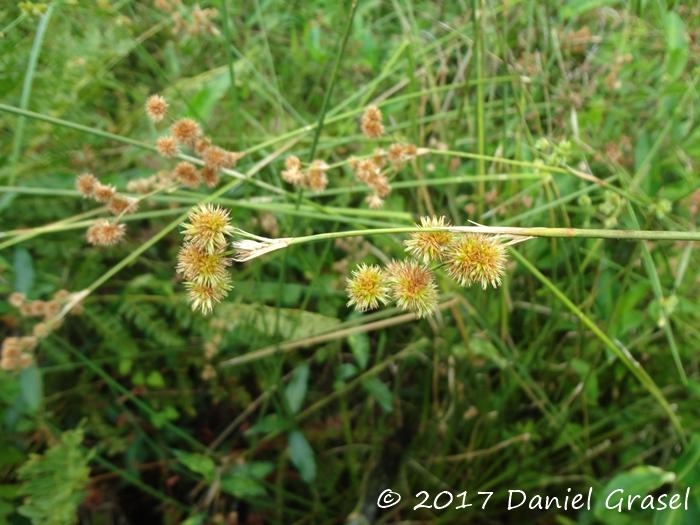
199 463
155 379
641 481
302 456
32 387
296 389
244 481
380 392
359 345
24 270
676 45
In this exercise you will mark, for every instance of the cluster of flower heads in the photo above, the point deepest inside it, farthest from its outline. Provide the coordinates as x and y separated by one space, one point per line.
18 351
468 258
372 170
105 232
202 260
188 21
186 133
313 178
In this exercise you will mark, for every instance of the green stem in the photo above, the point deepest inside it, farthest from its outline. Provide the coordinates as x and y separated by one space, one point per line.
334 75
584 233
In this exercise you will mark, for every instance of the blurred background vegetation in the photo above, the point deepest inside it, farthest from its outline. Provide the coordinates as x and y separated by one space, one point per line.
131 415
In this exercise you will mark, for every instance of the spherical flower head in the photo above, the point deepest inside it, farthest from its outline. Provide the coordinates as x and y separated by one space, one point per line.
367 288
186 131
413 287
217 158
119 205
208 227
210 176
16 299
156 108
429 246
103 192
86 183
316 178
476 258
167 146
372 123
195 264
203 296
187 174
105 233
374 201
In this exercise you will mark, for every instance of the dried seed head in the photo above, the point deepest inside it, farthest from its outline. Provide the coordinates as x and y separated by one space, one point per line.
292 163
399 153
217 158
103 192
105 233
86 183
187 174
374 201
209 176
367 288
186 131
476 258
195 264
167 146
16 299
316 178
119 204
156 108
372 123
208 227
413 287
429 246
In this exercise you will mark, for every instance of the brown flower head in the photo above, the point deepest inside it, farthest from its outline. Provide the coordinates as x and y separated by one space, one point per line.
316 178
167 146
103 192
105 233
203 296
156 108
86 183
187 174
186 131
372 123
119 204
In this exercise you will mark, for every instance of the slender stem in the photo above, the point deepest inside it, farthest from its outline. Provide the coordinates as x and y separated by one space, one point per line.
334 75
27 89
586 233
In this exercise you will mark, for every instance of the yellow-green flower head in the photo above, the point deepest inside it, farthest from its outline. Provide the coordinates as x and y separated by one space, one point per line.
367 288
413 287
202 296
476 258
195 264
208 227
429 246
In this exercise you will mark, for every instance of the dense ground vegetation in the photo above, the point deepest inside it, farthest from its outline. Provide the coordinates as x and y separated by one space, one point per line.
284 405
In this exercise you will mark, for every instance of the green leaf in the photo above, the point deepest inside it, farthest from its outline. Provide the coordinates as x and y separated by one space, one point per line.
640 480
380 392
687 469
302 456
359 346
199 463
24 271
155 379
244 481
32 387
676 45
296 389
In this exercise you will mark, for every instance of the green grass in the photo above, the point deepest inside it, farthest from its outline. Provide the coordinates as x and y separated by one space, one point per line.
581 371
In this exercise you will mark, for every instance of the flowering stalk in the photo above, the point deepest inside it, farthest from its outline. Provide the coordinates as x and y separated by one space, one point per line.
265 245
